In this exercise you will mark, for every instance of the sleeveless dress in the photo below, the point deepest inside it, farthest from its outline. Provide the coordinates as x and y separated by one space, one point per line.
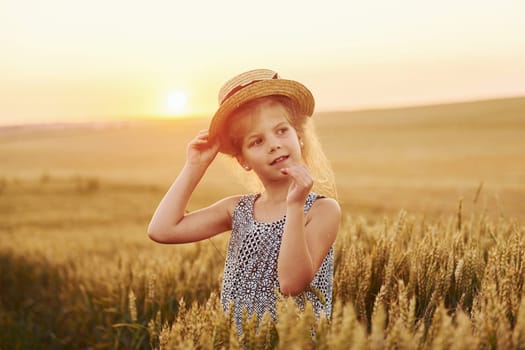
250 273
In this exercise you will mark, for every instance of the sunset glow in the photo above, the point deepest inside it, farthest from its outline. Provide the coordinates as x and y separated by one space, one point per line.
176 103
72 61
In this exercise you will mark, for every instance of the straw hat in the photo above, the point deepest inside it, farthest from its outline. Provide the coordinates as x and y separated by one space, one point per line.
254 84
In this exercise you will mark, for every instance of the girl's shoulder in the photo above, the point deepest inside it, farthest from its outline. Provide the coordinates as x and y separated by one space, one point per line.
229 203
322 206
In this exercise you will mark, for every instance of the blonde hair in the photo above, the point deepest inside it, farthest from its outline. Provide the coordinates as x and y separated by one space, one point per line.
312 151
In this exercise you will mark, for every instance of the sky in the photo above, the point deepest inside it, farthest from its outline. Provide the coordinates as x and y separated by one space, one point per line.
69 61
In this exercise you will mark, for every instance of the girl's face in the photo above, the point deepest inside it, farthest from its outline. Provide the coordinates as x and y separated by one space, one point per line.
269 142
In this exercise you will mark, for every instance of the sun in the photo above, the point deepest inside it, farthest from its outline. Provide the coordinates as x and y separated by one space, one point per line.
176 102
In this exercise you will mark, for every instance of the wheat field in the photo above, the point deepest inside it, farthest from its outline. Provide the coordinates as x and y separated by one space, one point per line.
430 254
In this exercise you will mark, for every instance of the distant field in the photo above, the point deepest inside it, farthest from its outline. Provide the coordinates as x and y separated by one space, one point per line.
78 271
423 159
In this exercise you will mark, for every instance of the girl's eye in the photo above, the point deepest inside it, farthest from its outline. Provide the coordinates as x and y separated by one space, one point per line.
255 142
281 131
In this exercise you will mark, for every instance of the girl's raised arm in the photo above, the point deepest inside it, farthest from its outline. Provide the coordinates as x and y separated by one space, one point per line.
169 223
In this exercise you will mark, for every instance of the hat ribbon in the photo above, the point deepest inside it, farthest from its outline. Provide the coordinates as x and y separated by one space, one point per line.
242 86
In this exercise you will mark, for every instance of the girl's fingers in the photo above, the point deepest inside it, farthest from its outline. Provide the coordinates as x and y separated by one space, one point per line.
297 170
202 135
300 174
202 138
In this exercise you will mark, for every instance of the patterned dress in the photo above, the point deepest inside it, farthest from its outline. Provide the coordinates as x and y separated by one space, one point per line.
250 272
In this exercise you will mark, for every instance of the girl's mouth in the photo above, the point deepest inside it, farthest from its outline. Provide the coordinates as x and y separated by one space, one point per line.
279 160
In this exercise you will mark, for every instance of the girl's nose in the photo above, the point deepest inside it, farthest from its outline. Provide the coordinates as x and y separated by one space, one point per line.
274 147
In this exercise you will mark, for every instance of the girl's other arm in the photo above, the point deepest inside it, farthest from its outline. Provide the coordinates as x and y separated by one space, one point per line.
306 239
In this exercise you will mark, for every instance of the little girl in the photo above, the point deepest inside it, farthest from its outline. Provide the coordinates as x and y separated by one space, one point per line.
281 237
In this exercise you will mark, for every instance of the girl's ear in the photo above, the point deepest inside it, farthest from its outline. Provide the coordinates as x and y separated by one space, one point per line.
300 139
242 163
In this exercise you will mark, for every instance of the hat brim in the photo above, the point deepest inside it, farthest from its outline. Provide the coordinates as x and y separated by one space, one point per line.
294 90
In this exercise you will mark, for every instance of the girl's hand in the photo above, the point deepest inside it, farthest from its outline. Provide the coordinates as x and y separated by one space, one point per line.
302 183
200 152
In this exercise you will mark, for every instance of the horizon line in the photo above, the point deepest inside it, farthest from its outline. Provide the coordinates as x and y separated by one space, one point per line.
101 121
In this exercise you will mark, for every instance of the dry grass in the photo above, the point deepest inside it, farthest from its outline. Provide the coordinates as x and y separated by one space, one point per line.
78 271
